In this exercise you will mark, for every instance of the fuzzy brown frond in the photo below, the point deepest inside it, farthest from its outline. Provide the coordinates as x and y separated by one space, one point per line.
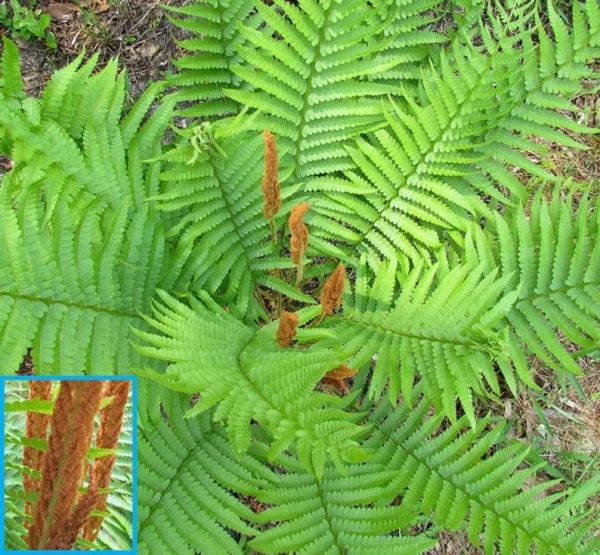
72 427
288 326
111 421
270 181
331 297
36 427
299 233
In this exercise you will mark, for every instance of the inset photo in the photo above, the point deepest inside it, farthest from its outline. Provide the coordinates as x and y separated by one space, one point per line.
69 464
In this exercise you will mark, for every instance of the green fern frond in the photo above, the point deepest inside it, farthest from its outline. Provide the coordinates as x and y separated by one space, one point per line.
187 471
554 253
242 371
11 81
553 71
205 69
339 514
469 123
411 179
84 280
328 55
216 206
438 327
78 144
465 479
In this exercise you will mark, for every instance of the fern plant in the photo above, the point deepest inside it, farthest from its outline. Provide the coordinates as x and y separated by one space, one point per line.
327 274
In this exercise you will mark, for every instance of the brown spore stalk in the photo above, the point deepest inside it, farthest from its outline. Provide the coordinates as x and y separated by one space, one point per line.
338 376
288 326
299 236
35 428
331 297
63 463
270 181
111 421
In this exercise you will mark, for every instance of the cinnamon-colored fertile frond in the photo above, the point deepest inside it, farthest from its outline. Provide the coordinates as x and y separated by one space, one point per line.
270 180
111 420
36 427
71 430
67 535
337 377
299 238
288 326
331 297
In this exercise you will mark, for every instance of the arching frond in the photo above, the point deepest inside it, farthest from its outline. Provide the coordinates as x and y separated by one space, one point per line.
465 479
187 471
81 252
85 281
553 251
458 139
328 55
438 327
244 373
339 514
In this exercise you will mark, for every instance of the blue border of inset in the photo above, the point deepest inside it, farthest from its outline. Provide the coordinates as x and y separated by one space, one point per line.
134 460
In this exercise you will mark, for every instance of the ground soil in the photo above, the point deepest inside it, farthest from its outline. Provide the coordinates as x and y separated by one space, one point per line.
138 32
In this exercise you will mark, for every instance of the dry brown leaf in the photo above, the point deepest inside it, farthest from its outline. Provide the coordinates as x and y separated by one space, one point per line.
100 6
337 377
62 11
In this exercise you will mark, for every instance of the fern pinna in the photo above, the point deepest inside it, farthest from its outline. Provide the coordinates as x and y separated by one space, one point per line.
347 253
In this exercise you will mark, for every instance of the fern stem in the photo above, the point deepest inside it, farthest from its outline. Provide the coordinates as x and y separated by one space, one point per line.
300 269
273 232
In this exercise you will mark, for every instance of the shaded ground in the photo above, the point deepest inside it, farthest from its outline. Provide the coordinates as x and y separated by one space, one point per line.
136 31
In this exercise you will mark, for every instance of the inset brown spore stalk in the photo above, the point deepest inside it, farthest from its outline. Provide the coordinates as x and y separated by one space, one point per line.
299 236
270 180
288 326
331 297
71 430
35 428
111 422
67 536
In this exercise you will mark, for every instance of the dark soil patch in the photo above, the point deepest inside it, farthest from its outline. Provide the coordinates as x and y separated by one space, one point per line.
136 31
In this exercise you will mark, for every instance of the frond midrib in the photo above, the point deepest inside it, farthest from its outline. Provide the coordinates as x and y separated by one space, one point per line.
69 304
232 219
309 88
183 463
548 293
361 322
